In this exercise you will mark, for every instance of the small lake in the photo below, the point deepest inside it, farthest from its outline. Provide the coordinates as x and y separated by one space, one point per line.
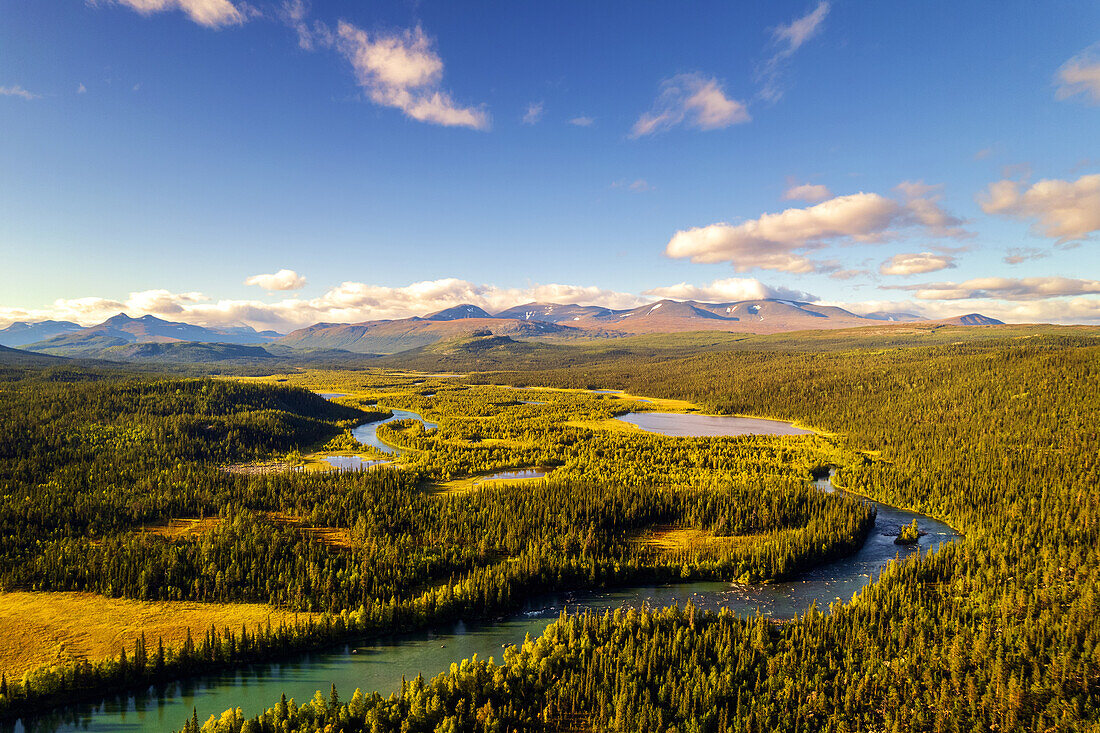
515 474
709 426
354 463
331 395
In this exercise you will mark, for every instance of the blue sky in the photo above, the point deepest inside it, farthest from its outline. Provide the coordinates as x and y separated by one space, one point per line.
388 158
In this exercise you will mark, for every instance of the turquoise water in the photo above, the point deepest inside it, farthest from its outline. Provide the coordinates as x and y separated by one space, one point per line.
671 423
367 434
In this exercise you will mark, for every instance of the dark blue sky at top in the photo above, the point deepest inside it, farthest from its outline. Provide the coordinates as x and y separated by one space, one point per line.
197 156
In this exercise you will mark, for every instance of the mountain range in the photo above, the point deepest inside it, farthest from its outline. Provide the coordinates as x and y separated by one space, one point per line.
118 336
122 330
556 322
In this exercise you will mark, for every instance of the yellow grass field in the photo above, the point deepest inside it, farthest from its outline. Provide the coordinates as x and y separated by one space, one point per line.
54 628
675 539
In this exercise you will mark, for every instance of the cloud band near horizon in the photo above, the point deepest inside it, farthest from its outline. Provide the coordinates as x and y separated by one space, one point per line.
1046 299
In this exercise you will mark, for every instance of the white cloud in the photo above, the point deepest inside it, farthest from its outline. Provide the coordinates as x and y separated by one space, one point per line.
1081 75
848 274
533 113
18 91
211 13
1065 210
916 263
293 13
403 71
1031 300
638 185
281 280
811 192
349 302
1016 255
81 89
1004 288
780 241
582 121
789 38
802 29
729 289
1081 310
692 99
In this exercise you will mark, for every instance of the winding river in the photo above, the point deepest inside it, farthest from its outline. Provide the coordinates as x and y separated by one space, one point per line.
380 664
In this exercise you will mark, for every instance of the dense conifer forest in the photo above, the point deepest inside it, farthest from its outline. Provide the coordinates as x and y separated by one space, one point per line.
998 437
998 632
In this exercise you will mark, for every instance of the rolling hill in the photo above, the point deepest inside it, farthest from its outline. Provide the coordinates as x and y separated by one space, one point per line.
184 352
18 357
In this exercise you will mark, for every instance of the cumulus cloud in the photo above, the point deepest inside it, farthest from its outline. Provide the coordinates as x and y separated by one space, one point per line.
18 91
533 113
582 121
1004 288
210 13
1080 75
1064 210
811 192
402 70
780 241
786 40
729 289
694 100
916 263
281 280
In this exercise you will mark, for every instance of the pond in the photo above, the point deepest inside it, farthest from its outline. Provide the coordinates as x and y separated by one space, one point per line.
354 463
675 424
514 474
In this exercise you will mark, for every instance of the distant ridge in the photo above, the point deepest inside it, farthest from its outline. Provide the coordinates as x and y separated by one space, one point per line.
120 336
457 313
557 321
121 329
22 333
970 319
391 337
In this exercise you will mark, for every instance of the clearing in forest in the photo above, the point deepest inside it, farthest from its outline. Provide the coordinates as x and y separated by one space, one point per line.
54 628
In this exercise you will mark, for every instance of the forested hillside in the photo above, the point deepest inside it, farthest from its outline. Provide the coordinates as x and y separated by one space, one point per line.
998 632
96 469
